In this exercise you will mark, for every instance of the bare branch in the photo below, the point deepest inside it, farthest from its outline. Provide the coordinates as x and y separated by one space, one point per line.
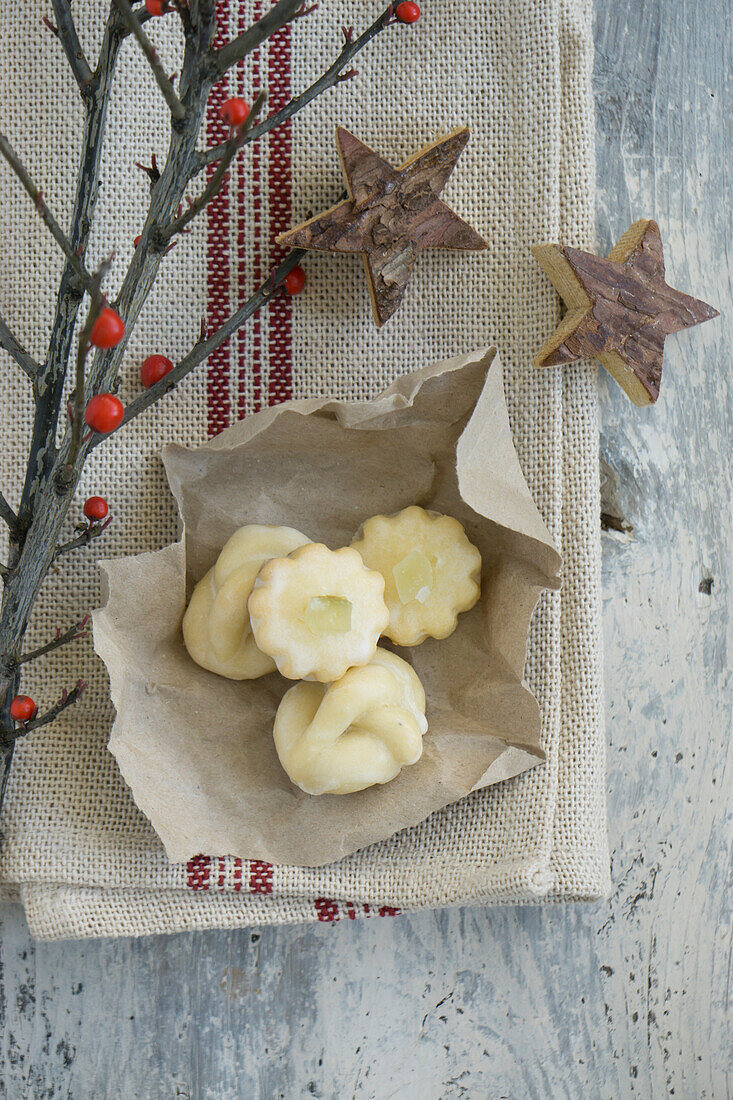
207 344
283 12
7 514
233 146
10 344
327 80
50 385
93 531
57 233
78 630
68 698
161 77
66 32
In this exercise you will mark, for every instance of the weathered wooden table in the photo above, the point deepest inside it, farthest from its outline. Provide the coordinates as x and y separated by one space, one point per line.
630 997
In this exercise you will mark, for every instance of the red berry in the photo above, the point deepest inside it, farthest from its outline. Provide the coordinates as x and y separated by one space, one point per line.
407 12
136 241
22 708
234 112
153 369
104 412
95 508
295 280
107 330
156 7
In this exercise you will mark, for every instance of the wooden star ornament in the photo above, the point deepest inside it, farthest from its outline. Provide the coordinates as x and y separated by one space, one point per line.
390 216
619 309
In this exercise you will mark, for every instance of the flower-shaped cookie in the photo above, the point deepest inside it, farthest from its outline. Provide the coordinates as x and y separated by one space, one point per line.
431 571
318 612
361 730
216 626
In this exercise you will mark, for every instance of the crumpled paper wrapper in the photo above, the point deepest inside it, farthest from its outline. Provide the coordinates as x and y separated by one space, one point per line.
196 749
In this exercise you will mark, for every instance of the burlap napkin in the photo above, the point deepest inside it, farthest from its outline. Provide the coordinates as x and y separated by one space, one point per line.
77 852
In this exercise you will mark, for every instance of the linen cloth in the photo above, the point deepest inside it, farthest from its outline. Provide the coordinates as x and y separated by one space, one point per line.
77 852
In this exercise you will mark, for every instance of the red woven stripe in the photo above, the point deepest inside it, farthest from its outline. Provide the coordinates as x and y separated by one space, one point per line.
327 909
260 877
279 190
198 871
249 205
217 253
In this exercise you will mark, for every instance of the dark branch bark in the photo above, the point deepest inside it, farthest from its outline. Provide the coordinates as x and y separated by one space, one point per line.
329 78
7 514
93 531
161 77
53 226
6 759
10 344
217 178
42 451
79 395
234 51
78 630
70 41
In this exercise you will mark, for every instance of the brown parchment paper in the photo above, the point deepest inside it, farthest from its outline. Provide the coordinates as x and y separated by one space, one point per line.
197 749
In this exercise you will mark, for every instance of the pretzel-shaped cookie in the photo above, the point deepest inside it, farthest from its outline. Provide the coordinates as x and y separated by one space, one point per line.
360 730
216 627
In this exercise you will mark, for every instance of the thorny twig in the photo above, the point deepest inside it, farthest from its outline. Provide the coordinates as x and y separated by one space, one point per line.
78 630
254 36
68 698
234 144
7 514
79 396
327 80
161 77
208 343
57 233
66 32
93 531
10 343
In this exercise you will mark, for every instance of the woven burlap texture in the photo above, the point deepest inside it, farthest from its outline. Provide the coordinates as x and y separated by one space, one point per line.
76 850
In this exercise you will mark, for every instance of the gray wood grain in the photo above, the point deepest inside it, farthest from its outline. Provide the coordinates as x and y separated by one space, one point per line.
629 998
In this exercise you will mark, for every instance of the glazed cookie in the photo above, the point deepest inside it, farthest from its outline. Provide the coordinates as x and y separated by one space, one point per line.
360 730
318 612
431 571
216 626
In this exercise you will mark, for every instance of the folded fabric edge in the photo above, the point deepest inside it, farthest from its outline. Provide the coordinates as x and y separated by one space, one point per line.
60 912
